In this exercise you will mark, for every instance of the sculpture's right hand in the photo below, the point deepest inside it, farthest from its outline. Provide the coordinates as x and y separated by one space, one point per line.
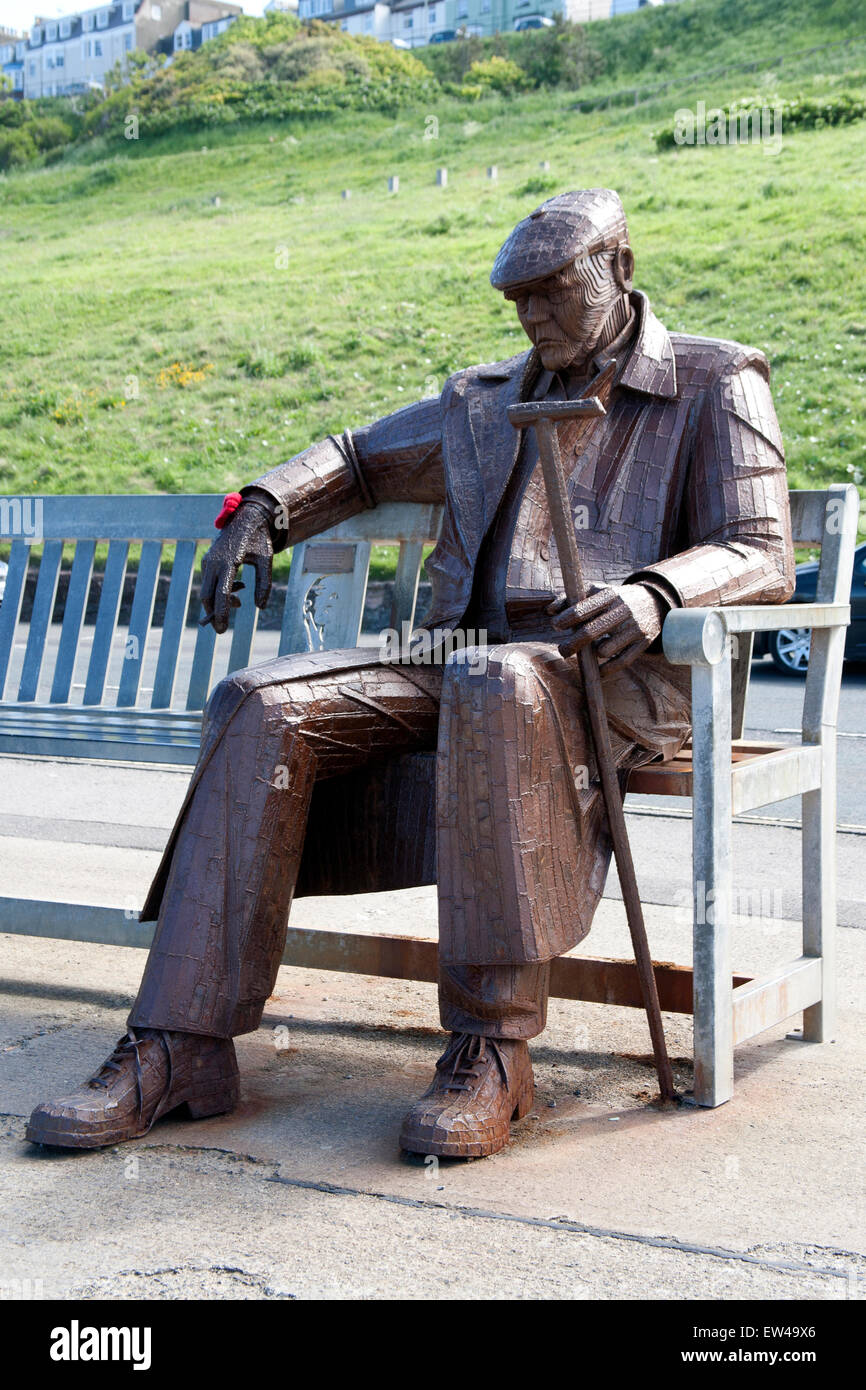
246 539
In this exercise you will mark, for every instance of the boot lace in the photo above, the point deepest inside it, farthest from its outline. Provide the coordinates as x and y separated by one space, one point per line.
466 1057
130 1044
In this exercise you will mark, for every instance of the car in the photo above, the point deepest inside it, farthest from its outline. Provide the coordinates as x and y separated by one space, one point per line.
789 646
444 36
532 21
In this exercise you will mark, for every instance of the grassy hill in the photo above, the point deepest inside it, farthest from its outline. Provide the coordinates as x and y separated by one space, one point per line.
185 311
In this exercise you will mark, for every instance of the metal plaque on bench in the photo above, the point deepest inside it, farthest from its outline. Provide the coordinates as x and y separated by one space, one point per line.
329 558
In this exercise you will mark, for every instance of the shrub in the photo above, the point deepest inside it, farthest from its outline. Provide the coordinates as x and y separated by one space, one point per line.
810 113
497 74
16 147
49 132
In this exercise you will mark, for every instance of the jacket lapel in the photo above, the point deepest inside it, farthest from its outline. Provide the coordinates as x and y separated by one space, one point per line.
480 444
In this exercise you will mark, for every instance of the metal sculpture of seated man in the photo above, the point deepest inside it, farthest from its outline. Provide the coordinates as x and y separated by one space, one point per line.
680 494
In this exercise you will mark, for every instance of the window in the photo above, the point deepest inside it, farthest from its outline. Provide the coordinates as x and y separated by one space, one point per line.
31 67
50 33
102 19
18 81
368 23
86 23
35 35
431 15
129 9
59 60
408 21
97 48
127 43
65 28
485 6
462 9
156 11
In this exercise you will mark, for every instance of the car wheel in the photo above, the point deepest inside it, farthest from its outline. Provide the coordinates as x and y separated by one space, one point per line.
789 648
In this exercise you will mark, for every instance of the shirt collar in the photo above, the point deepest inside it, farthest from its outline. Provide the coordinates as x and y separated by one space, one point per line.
650 365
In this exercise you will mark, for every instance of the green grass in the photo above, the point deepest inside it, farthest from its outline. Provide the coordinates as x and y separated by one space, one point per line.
304 313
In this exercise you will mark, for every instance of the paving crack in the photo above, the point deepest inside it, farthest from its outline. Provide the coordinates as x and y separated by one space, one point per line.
15 1043
564 1224
570 1226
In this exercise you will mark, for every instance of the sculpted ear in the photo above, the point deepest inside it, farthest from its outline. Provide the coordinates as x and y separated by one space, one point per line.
623 267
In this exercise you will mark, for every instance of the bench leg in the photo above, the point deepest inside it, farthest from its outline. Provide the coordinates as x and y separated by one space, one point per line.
711 856
819 892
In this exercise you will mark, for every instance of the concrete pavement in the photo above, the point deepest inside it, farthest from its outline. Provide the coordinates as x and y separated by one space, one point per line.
302 1193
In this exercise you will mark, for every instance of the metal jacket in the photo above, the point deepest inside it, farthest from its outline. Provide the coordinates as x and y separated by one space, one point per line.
692 494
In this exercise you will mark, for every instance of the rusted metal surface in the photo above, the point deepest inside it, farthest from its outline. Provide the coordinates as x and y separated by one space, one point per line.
595 980
674 777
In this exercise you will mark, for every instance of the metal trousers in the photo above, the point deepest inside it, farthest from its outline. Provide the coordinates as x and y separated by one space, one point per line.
522 845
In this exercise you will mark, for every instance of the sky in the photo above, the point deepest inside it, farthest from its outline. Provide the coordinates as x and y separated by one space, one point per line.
19 14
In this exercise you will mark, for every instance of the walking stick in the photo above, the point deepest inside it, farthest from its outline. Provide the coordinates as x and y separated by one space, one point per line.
543 415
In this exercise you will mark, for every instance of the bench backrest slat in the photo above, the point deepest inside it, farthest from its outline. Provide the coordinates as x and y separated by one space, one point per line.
106 621
13 593
202 666
808 510
139 624
73 617
406 583
173 624
245 619
838 539
43 607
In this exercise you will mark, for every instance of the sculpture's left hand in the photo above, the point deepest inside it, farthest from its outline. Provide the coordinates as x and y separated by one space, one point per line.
622 620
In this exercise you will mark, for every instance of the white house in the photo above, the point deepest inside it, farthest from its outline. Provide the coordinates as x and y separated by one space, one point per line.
63 56
416 21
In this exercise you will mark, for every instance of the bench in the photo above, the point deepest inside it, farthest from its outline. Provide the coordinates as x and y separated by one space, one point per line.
49 713
724 775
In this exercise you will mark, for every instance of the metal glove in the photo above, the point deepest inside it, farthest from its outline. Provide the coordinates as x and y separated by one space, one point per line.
245 539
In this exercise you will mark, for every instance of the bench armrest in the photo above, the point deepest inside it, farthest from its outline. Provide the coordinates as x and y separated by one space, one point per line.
698 636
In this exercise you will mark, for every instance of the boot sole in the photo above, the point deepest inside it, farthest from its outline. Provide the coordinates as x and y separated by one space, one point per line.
481 1148
197 1107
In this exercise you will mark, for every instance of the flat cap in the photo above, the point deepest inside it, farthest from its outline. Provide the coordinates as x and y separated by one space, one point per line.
563 229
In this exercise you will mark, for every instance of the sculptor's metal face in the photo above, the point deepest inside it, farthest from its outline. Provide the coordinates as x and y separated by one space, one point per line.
565 314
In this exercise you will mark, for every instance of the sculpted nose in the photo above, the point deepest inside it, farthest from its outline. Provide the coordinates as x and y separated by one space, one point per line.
536 308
